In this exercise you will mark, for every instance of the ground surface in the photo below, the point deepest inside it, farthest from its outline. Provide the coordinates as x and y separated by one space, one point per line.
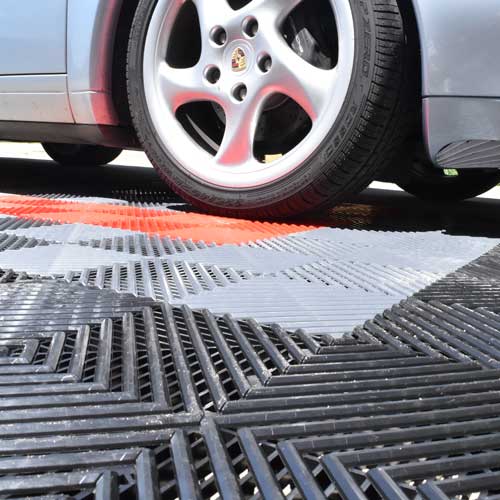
149 351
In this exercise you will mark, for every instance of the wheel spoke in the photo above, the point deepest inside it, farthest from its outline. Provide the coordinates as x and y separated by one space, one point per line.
181 86
241 125
310 87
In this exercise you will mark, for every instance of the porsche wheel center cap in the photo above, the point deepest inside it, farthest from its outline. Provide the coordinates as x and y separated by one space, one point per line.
239 57
239 61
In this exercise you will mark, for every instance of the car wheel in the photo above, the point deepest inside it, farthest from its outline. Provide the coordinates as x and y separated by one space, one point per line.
74 155
428 182
268 107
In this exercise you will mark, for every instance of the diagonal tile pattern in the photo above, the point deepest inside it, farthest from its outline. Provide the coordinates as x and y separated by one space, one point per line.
69 233
60 259
322 280
294 304
324 363
155 221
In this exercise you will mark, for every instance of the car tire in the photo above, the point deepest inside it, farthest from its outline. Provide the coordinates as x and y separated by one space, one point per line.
427 182
80 155
371 123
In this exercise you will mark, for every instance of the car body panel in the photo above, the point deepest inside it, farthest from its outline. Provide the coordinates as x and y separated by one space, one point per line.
32 37
91 34
35 98
460 71
451 120
56 65
61 72
33 85
459 44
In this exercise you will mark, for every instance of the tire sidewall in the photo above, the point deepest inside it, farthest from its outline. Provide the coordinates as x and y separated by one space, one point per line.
328 159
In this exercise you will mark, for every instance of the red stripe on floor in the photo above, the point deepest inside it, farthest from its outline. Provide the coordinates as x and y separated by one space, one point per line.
194 226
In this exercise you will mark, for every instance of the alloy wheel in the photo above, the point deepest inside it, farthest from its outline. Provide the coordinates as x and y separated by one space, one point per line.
235 95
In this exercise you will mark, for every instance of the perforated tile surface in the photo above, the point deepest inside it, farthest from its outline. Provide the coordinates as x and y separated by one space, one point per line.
294 304
282 361
70 233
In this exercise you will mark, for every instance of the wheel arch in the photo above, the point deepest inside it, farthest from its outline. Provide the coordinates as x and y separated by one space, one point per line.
97 43
125 17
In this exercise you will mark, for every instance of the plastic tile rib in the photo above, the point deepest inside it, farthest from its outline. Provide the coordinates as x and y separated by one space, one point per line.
434 252
152 221
435 240
45 259
251 259
165 402
46 304
323 297
70 233
132 381
298 291
159 279
148 246
60 259
10 222
13 242
82 199
10 276
477 284
145 197
385 279
110 239
334 296
295 304
157 201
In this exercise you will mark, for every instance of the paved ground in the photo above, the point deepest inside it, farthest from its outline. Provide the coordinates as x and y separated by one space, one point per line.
150 351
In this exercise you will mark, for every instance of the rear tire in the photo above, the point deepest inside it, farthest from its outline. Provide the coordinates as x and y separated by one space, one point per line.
80 155
427 182
362 139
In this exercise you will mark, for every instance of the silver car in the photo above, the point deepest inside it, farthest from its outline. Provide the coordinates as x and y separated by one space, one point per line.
261 107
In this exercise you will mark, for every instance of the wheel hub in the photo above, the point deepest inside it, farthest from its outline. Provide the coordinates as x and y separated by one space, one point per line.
231 48
238 61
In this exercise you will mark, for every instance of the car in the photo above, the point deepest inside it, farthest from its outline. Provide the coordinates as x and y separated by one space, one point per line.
261 108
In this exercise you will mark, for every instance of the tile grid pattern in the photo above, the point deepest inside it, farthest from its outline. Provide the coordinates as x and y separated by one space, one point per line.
324 281
322 364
